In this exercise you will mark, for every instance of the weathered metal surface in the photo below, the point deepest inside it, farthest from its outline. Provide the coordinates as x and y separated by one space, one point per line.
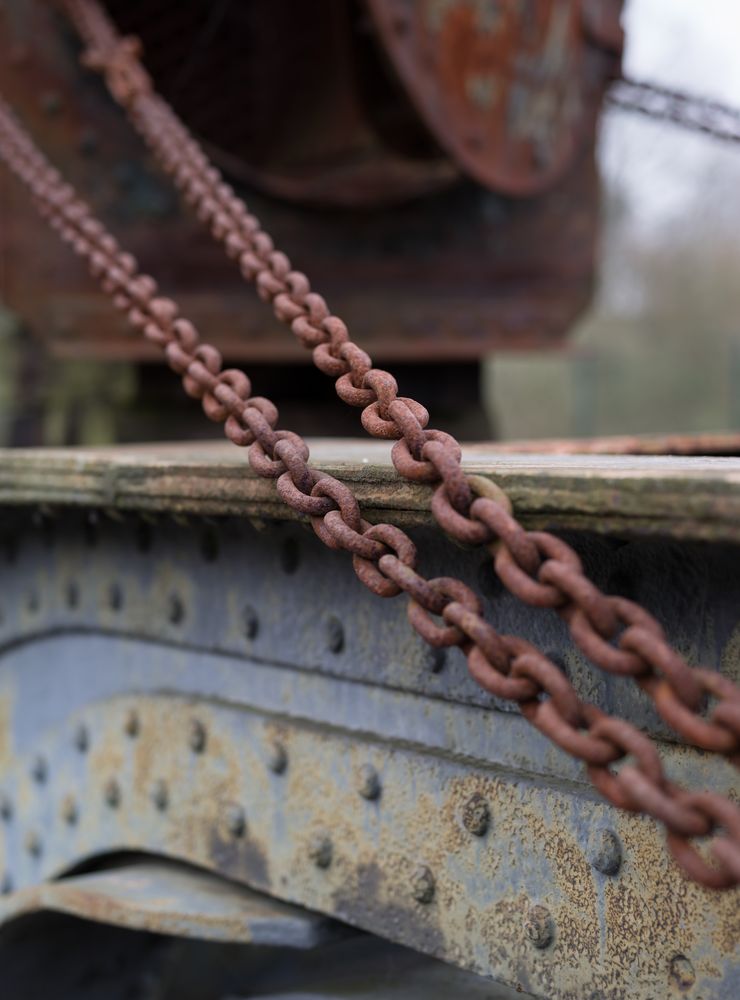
459 273
676 497
618 635
511 90
169 673
167 899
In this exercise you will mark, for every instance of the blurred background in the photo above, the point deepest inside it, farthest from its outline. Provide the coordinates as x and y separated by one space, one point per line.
659 349
656 350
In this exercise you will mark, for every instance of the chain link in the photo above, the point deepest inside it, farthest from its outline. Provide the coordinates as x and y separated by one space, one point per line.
698 114
538 567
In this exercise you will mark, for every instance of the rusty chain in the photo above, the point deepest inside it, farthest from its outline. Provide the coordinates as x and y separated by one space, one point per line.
538 568
698 114
385 557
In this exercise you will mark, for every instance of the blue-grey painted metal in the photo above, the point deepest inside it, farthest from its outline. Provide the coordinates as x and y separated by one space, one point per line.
233 699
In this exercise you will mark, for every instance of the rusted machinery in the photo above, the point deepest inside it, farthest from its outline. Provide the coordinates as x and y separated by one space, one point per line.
214 732
435 164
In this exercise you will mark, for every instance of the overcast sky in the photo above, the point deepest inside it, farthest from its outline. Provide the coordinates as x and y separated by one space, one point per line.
692 45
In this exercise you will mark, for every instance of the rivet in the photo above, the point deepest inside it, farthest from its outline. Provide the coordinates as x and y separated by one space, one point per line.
197 736
538 926
320 850
606 852
160 795
6 885
251 622
112 793
436 659
68 810
131 725
73 594
334 634
82 738
368 782
476 815
33 843
236 821
422 885
115 597
682 972
6 808
277 757
39 770
175 609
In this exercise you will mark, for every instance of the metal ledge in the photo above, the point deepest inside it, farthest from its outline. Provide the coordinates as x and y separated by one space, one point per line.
681 497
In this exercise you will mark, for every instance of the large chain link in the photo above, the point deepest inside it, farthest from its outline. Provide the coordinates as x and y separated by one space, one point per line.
697 114
537 567
385 557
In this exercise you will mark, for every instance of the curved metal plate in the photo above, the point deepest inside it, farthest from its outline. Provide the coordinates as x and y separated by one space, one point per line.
165 898
508 87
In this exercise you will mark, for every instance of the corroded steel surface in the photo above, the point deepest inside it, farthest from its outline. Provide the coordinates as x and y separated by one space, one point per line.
157 702
168 899
670 497
448 277
511 88
617 634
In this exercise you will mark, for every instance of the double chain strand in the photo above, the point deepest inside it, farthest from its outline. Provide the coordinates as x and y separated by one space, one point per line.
384 556
537 567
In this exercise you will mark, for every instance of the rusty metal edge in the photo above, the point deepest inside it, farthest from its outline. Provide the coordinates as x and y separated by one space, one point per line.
682 497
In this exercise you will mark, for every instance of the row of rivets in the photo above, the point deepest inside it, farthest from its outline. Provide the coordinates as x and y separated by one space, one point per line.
176 613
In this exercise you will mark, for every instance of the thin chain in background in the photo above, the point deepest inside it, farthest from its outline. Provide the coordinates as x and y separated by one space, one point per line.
697 114
537 567
384 556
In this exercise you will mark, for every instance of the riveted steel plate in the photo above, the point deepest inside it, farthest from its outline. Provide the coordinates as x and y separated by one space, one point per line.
510 88
173 692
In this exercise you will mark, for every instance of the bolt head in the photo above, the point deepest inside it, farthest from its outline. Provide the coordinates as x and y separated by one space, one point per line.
175 609
236 821
423 885
160 795
68 810
197 736
368 782
320 850
251 622
39 770
606 852
539 927
476 815
682 972
6 807
131 725
32 843
334 634
82 738
112 793
277 757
